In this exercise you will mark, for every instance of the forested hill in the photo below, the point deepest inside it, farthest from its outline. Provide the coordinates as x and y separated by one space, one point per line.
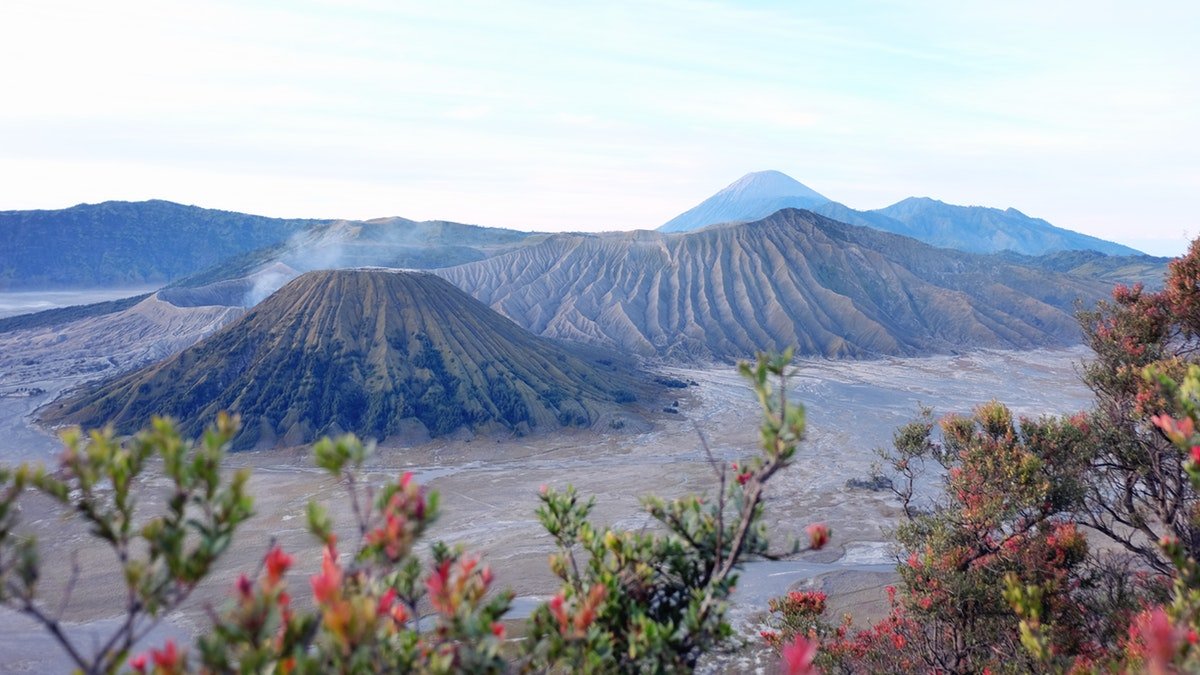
115 244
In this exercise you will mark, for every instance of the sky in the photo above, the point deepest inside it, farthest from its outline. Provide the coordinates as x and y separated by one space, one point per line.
605 115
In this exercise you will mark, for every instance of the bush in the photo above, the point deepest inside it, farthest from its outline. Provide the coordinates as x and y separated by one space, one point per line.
996 573
163 557
629 601
1006 489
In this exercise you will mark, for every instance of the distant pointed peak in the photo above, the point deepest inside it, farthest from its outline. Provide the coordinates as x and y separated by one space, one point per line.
750 197
768 174
771 183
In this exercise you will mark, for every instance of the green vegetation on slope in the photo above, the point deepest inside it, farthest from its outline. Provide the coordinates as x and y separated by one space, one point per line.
126 243
1147 270
374 352
61 315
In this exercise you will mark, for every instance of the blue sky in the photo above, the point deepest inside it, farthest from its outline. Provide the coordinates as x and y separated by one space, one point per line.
613 115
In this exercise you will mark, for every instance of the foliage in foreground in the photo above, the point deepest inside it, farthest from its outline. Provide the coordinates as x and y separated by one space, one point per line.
1001 514
1056 545
629 601
162 556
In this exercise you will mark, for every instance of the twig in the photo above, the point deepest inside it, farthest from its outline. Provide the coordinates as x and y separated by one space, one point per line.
752 498
66 599
358 516
56 631
719 469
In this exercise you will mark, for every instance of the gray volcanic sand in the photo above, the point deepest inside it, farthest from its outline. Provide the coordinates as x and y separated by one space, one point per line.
39 364
13 303
489 488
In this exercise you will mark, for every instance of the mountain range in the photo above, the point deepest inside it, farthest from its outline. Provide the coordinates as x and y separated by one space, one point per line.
376 352
124 244
793 278
118 244
717 293
121 244
296 327
974 229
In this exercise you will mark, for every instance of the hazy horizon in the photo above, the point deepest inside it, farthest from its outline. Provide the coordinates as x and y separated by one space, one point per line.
613 117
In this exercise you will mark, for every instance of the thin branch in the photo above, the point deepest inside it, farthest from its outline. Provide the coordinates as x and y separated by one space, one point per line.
56 631
351 486
66 599
719 469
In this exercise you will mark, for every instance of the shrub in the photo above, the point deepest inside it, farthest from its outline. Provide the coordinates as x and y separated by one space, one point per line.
163 556
996 573
629 601
1006 489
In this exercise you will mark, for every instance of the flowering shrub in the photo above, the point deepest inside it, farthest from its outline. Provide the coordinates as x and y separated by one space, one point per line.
996 573
163 556
629 601
1164 636
1136 495
640 601
1006 489
366 605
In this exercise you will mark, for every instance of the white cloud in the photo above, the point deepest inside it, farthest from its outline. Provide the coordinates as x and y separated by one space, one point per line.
595 116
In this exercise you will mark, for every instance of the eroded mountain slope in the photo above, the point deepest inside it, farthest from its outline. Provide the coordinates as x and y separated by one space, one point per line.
794 278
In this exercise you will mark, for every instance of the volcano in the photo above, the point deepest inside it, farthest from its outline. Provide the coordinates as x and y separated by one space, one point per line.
380 353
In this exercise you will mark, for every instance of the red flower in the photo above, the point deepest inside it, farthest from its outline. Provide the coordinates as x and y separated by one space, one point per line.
244 587
385 602
560 614
743 475
587 613
798 657
277 562
439 591
138 662
167 658
818 535
1160 637
498 629
327 585
1178 431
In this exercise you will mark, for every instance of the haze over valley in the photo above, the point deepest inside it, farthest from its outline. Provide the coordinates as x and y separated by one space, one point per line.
613 337
515 359
708 296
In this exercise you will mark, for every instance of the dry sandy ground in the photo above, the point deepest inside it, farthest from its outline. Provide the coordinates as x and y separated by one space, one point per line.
489 488
36 365
13 303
